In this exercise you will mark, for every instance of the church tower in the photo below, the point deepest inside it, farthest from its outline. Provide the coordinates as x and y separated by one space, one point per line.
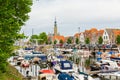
55 28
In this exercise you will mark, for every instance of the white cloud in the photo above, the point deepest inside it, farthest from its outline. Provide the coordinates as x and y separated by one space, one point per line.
72 14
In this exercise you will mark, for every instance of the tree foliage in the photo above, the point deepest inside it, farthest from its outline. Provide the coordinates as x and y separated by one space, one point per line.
33 37
21 36
55 41
77 41
49 41
69 40
87 40
61 41
13 15
87 63
100 40
42 37
118 39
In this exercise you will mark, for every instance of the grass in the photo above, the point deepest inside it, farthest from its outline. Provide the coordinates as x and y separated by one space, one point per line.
8 75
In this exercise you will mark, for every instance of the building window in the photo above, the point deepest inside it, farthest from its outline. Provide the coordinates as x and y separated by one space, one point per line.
104 37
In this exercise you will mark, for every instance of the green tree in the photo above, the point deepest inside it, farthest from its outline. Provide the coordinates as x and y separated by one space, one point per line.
69 40
21 36
42 37
118 39
77 41
87 40
13 15
61 41
100 40
33 37
50 42
47 42
55 41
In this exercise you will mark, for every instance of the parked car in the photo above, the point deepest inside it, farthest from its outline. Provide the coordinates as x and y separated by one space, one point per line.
113 46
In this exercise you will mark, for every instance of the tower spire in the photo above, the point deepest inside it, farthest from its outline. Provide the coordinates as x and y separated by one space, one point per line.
55 24
55 18
55 27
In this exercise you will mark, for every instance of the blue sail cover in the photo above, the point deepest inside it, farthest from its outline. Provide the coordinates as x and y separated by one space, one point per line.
99 59
43 57
26 48
111 52
65 65
36 52
60 56
64 76
99 53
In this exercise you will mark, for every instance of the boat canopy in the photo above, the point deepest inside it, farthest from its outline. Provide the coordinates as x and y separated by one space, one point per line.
111 52
36 52
47 71
64 76
27 48
60 56
99 53
31 56
66 65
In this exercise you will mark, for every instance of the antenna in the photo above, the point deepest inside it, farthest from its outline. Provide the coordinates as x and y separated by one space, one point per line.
55 18
32 31
78 29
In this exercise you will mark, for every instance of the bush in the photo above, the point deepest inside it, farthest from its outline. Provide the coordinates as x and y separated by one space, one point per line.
3 67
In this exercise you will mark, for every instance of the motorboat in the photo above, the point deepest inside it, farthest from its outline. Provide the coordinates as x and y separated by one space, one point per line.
65 76
74 76
42 57
65 66
81 76
25 63
47 74
108 65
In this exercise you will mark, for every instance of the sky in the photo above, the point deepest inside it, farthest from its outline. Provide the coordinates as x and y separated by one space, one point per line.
72 14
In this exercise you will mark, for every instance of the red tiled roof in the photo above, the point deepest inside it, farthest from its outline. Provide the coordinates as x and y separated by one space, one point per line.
93 30
100 32
59 38
77 35
116 32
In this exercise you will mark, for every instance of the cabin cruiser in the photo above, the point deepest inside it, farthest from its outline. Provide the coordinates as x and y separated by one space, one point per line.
65 66
83 76
74 76
108 65
65 76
